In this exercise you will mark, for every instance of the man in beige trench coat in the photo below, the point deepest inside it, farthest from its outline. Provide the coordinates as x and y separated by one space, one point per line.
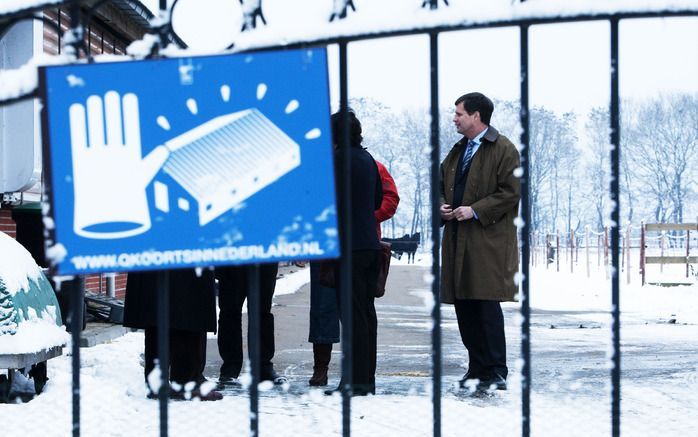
479 201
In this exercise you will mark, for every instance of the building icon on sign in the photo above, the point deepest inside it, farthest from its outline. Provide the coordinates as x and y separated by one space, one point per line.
223 162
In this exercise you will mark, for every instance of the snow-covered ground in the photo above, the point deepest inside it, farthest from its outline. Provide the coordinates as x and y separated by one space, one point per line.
570 349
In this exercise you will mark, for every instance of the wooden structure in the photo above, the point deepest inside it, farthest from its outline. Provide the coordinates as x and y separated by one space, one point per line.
662 259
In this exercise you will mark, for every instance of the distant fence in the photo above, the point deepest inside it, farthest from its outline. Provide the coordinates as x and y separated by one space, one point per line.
652 243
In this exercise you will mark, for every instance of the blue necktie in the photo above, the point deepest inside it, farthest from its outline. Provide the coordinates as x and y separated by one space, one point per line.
468 155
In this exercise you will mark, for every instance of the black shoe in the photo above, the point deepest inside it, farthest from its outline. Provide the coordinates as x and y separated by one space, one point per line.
274 377
356 390
496 382
228 381
469 381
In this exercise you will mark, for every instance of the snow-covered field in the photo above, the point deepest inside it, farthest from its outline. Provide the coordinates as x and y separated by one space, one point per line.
571 383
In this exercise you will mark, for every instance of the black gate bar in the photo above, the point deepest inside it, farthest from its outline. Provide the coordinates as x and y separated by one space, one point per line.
525 214
345 285
435 233
253 348
163 315
615 228
78 293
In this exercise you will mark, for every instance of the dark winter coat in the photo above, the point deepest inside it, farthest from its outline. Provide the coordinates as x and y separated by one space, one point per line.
480 259
366 198
192 300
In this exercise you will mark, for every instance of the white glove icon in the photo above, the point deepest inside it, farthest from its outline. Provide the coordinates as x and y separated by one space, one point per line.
109 174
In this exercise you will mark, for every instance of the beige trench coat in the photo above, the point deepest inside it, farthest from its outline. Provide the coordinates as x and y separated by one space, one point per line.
479 261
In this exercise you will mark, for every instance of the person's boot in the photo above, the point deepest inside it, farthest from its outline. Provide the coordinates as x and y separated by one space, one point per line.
322 353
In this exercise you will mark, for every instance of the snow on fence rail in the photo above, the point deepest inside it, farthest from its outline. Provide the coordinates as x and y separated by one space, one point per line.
658 244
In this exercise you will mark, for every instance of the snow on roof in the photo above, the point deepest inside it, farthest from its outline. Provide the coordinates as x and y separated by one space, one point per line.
16 265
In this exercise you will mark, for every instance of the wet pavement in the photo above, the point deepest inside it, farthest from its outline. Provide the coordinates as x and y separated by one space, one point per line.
570 349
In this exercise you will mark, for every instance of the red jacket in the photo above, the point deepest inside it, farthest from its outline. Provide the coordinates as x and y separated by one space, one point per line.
390 198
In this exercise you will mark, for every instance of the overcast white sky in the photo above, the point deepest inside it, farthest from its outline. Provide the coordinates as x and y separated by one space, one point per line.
569 63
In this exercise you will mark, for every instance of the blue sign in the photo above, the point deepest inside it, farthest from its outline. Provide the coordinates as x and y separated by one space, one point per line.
189 162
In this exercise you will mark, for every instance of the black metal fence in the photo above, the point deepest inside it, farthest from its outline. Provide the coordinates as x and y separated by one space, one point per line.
524 26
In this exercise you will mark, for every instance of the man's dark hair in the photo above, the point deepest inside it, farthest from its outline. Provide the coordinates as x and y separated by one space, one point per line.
355 137
477 102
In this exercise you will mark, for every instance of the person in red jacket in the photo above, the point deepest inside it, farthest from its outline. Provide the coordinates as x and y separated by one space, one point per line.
390 198
324 313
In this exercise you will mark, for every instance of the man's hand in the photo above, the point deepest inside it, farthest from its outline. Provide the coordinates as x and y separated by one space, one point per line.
463 213
446 212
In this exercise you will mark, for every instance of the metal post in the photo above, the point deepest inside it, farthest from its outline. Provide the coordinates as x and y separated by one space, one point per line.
643 266
615 219
525 250
345 285
78 293
605 250
435 233
627 253
557 248
253 326
688 250
572 247
163 288
163 282
662 242
77 300
586 249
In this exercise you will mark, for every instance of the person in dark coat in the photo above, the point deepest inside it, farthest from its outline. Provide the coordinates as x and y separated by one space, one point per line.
324 314
366 197
233 283
479 256
192 314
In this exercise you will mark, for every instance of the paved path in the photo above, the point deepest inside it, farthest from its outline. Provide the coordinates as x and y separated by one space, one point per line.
404 336
569 348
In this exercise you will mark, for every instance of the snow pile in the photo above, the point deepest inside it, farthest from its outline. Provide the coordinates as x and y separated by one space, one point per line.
25 79
17 266
33 335
23 331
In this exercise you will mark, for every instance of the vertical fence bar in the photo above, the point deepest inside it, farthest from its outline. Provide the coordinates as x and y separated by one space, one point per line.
76 305
615 219
345 285
605 250
628 252
662 243
586 249
572 250
688 251
163 314
642 253
557 249
163 282
435 232
253 326
78 292
525 250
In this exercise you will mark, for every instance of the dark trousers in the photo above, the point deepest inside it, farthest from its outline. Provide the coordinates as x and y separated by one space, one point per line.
364 276
481 325
232 292
187 354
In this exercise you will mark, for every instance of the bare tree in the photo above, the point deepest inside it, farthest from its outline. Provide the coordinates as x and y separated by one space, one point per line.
662 145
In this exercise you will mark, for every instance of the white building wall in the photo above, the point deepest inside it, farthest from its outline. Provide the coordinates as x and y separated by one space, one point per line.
20 129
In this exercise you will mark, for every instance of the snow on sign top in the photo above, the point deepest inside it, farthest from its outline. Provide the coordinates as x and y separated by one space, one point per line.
307 21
